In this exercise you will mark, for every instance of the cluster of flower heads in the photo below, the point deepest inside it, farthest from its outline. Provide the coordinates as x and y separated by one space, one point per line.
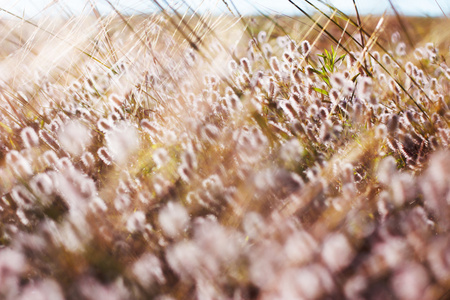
276 177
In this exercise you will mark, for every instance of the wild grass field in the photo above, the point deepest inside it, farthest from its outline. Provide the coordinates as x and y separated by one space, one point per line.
183 156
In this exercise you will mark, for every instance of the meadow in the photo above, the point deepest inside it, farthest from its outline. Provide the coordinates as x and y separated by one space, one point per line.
184 156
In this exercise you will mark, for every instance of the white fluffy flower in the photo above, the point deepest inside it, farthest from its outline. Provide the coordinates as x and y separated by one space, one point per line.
122 141
173 218
74 137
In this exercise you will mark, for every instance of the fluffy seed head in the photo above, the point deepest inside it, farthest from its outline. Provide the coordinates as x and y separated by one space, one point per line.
121 202
173 218
104 125
395 37
48 139
392 123
274 64
334 95
122 142
18 163
74 137
387 59
22 197
116 100
337 252
160 157
410 282
381 131
29 137
149 126
42 184
97 205
246 65
262 37
305 47
104 155
232 65
136 222
148 270
401 49
88 160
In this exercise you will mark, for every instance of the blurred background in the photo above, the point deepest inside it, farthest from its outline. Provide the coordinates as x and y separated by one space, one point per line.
35 8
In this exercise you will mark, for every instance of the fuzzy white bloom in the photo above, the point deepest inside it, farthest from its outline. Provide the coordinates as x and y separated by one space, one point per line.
354 286
439 170
11 261
439 258
300 247
75 187
213 184
160 185
19 165
400 50
29 137
170 137
189 158
364 88
173 218
115 100
410 282
395 37
250 143
104 125
48 139
136 222
145 196
64 164
210 132
97 205
262 36
283 41
104 155
91 289
386 169
447 73
402 186
88 160
184 258
121 202
160 157
337 252
291 150
47 289
22 197
219 243
22 217
122 141
12 264
265 261
306 283
151 127
74 137
42 186
148 270
253 224
49 158
381 131
393 251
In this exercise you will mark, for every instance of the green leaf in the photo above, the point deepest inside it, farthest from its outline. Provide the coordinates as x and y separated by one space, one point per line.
341 58
317 71
356 76
320 91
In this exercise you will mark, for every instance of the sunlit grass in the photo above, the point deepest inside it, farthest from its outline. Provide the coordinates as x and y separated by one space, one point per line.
179 156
